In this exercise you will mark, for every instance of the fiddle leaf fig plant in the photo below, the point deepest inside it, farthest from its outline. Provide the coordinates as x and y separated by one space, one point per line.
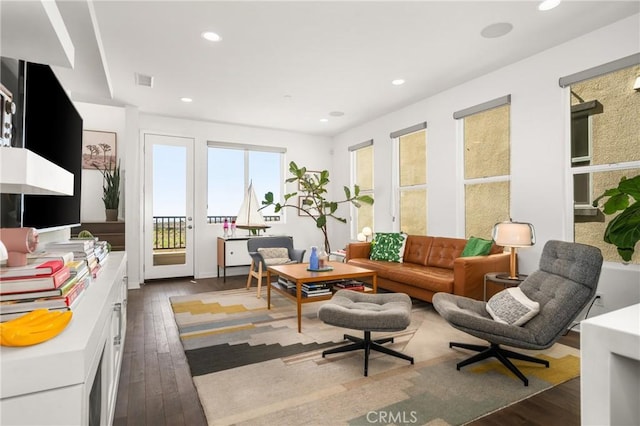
624 230
310 199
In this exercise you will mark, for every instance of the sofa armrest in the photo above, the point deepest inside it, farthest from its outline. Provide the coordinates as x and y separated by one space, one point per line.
357 250
468 273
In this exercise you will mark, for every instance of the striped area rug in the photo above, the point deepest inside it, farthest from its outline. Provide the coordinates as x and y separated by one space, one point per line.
251 367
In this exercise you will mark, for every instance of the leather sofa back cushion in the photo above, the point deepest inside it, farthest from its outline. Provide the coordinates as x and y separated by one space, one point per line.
444 251
417 249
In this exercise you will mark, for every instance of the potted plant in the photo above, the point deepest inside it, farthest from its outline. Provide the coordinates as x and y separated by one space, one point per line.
110 190
313 204
624 230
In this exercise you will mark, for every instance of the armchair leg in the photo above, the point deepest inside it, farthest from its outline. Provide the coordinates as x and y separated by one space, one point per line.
250 275
502 355
259 280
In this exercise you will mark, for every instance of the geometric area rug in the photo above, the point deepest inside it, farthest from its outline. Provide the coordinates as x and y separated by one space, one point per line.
250 366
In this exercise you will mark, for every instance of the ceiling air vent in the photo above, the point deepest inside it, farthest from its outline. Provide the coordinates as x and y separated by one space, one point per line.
144 80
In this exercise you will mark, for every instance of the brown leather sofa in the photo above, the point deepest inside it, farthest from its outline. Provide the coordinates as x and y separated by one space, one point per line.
431 265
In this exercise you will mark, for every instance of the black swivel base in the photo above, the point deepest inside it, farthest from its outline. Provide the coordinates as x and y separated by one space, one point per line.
368 345
501 354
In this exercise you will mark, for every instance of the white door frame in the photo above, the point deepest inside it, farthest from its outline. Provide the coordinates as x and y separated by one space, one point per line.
187 268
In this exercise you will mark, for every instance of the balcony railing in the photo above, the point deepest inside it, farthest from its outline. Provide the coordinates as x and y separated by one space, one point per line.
169 232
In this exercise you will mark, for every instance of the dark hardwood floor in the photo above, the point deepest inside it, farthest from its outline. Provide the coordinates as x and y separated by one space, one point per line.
156 387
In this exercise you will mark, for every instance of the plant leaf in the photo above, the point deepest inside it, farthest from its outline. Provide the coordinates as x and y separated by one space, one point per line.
624 231
615 203
347 192
631 187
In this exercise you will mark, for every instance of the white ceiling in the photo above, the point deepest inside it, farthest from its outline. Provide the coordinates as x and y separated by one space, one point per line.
286 65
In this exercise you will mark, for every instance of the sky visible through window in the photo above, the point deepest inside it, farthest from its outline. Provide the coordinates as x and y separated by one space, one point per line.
169 180
226 179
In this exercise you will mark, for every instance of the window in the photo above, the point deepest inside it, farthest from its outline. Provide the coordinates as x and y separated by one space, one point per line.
411 175
231 167
581 150
362 175
487 164
605 136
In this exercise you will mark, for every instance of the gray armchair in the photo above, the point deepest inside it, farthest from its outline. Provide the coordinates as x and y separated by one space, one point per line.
261 258
563 285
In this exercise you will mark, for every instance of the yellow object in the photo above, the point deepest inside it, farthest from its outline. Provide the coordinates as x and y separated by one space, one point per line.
35 327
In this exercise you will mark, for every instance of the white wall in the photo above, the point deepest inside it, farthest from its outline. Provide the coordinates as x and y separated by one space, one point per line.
539 126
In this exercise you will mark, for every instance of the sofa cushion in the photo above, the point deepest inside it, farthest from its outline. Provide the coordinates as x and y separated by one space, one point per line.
512 306
275 255
388 246
444 251
477 247
417 249
425 277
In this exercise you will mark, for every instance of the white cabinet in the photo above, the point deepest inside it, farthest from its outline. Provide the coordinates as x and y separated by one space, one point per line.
232 252
72 379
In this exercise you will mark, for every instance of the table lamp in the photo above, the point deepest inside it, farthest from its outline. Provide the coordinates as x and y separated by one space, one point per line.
513 235
367 232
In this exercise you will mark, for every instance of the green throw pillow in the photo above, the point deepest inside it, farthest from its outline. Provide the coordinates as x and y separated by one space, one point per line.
388 246
477 247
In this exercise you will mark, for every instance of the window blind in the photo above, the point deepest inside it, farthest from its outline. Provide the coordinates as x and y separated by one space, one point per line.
248 147
407 130
361 145
607 68
494 103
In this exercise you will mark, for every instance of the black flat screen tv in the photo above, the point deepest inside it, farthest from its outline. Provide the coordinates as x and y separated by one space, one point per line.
52 128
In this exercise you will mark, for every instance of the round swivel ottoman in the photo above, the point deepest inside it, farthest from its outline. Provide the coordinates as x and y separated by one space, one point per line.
385 312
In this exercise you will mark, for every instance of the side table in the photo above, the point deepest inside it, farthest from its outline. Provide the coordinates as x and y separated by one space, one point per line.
498 278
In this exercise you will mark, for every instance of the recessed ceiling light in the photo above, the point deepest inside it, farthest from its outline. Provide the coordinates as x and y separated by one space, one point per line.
548 4
324 120
187 100
496 30
211 36
398 82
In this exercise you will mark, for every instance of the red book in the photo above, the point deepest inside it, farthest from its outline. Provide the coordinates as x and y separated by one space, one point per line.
27 305
37 283
31 270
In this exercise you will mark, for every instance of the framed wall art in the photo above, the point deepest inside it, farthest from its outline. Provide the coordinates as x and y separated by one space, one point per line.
99 150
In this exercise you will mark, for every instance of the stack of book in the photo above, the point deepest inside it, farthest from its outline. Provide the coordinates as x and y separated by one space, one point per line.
315 289
48 284
101 251
287 285
83 249
349 284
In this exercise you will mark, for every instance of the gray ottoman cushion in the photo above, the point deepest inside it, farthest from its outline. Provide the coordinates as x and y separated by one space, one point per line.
366 311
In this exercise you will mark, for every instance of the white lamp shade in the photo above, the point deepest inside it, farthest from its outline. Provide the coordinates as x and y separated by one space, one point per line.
361 237
366 231
514 234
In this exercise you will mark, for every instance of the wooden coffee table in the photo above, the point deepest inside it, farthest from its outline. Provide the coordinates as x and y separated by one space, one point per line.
299 274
